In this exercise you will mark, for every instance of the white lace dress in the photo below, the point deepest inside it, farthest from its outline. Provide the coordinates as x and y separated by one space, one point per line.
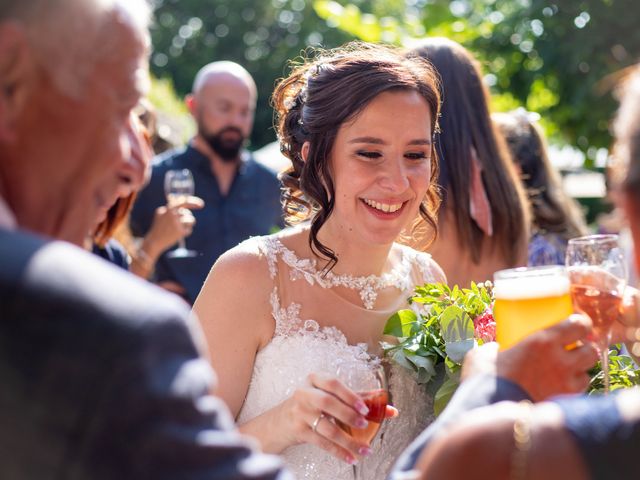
302 345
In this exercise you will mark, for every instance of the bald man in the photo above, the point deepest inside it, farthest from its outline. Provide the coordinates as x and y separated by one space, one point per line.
241 197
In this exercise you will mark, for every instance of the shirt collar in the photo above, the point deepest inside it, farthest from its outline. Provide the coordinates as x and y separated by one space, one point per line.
7 218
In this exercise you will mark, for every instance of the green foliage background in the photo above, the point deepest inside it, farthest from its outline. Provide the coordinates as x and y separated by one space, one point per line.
259 34
557 58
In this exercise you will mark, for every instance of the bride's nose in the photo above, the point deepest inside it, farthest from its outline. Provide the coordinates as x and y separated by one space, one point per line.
394 176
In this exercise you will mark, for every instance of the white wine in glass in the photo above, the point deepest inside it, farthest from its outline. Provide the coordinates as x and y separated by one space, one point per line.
178 187
597 271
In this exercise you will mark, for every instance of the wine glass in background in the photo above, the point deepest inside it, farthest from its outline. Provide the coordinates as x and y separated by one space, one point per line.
178 187
597 271
369 381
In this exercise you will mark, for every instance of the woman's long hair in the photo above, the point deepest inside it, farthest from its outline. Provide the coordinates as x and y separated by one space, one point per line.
466 126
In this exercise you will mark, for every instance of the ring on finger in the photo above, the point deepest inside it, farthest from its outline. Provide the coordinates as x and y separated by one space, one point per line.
316 422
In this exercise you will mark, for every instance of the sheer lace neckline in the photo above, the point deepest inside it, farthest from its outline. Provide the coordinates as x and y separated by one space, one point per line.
367 286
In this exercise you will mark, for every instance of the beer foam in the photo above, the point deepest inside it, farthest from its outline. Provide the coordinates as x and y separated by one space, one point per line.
519 288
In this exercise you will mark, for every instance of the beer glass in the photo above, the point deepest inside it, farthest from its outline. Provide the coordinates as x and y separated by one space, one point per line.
529 299
597 270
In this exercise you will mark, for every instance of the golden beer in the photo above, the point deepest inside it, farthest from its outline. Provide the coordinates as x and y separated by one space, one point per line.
529 299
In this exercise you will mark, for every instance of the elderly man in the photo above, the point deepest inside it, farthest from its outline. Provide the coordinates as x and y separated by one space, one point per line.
241 197
100 372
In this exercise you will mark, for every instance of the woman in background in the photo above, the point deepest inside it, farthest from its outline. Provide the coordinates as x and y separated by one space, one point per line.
484 222
556 217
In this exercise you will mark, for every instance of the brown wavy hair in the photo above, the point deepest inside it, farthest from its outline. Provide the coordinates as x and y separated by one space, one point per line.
319 96
466 124
552 209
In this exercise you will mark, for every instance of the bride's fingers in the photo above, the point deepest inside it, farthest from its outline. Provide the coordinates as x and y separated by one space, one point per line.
338 389
328 436
327 402
391 412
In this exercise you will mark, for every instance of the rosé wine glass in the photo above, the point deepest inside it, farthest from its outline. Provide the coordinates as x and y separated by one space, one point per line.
597 271
369 381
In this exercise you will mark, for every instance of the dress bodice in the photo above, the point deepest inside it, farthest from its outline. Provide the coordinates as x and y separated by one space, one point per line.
305 342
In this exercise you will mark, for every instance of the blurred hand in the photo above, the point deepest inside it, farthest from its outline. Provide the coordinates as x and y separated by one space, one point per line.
629 320
541 363
171 224
173 287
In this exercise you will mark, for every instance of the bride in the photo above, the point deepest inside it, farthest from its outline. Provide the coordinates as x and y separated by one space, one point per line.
282 312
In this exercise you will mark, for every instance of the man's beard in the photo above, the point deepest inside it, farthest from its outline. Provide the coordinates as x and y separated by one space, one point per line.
227 150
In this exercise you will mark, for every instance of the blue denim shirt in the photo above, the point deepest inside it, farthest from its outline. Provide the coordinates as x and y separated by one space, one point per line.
251 207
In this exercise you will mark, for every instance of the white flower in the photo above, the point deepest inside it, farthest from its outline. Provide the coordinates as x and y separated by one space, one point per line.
289 103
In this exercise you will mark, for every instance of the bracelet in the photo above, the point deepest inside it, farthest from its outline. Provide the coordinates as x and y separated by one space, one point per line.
143 259
522 442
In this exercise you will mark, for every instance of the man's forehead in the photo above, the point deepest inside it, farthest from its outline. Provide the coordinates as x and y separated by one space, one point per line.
225 85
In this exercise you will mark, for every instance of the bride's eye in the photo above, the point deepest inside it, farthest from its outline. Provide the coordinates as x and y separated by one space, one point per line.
369 154
417 156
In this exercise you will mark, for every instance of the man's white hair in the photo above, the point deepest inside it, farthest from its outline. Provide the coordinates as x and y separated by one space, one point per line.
69 36
223 66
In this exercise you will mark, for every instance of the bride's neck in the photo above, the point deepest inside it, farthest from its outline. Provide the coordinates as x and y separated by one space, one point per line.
355 257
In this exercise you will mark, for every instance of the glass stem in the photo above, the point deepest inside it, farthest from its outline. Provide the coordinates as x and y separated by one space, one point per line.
182 244
604 362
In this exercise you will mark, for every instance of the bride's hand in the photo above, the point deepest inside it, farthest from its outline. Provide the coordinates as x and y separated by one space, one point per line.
310 415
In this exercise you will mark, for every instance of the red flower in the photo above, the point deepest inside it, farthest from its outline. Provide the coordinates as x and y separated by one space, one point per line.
485 327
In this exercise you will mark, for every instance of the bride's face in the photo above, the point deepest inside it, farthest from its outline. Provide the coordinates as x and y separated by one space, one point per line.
381 166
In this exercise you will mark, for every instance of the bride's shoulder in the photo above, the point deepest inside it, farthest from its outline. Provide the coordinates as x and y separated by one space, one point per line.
252 255
429 268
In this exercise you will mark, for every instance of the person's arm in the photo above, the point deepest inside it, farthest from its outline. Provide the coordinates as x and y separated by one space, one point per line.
156 418
235 313
169 225
506 441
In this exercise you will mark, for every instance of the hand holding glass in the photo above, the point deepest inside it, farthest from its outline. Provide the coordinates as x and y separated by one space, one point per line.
178 187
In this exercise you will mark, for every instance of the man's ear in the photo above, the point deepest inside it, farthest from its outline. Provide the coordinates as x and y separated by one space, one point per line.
190 102
16 65
304 151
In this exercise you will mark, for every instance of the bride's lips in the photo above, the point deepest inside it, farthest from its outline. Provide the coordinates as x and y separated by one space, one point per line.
390 215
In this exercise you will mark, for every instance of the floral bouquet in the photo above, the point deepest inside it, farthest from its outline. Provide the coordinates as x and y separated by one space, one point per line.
439 328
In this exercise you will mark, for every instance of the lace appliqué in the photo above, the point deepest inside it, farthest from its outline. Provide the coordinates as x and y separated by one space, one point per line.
367 287
288 322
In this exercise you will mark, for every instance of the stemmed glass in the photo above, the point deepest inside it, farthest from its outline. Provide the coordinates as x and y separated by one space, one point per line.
178 187
369 381
597 271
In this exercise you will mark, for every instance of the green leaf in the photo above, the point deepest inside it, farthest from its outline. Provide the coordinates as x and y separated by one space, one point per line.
457 331
444 394
400 323
456 325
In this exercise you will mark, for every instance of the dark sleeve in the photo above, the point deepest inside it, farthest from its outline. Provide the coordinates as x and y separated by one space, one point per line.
609 445
160 422
475 392
113 252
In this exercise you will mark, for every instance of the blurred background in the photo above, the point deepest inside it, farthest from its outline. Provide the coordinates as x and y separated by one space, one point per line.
560 59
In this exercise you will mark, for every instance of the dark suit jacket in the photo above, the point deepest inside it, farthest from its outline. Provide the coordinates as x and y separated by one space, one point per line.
100 376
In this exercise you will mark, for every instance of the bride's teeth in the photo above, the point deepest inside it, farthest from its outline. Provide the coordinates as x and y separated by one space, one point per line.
384 207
